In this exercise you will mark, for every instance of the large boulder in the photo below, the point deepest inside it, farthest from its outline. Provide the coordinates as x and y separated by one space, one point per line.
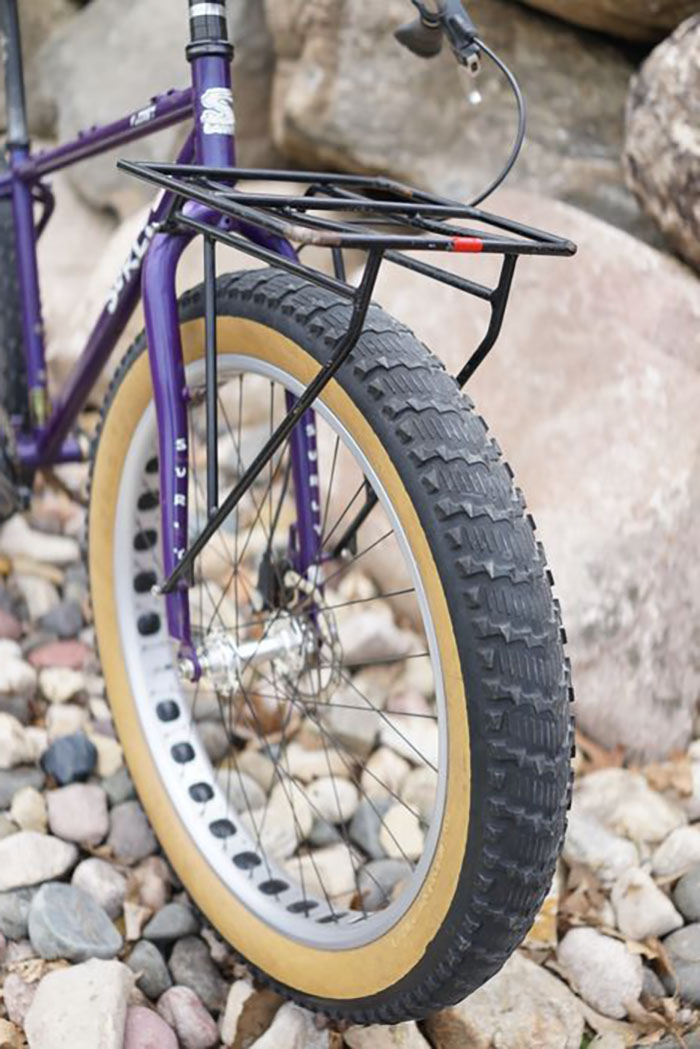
347 95
113 58
593 393
662 142
643 20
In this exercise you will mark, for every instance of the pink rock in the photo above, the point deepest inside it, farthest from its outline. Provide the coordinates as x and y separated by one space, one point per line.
183 1010
9 626
18 996
145 1029
73 654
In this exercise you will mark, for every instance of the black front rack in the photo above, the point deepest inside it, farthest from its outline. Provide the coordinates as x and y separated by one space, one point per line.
383 218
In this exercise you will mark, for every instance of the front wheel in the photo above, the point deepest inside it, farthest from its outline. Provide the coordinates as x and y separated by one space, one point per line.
367 794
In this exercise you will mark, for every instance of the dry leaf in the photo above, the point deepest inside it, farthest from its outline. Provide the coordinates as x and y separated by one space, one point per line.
10 1036
135 917
676 774
594 756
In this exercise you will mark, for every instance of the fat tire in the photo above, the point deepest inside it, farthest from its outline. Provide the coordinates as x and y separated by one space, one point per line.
506 621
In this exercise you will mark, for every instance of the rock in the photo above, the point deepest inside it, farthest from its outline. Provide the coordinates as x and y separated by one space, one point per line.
652 986
71 654
29 858
418 743
10 1036
683 949
333 799
174 922
28 810
152 877
325 109
152 974
192 966
59 684
110 757
635 20
523 1005
147 1030
37 741
377 881
260 768
67 68
65 720
83 1007
401 1036
17 539
353 730
79 813
18 706
182 1009
383 774
14 746
603 971
590 843
14 913
686 894
16 677
64 922
119 786
366 826
370 636
331 871
248 1014
18 996
240 992
70 758
64 619
40 595
615 556
295 1028
130 836
15 779
678 852
215 740
306 765
7 827
419 792
10 626
103 883
324 833
243 793
626 804
401 835
662 154
642 909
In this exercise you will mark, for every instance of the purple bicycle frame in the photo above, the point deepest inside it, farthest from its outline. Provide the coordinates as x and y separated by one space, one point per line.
149 272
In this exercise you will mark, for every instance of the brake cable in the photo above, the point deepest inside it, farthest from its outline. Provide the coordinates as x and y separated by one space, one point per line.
425 36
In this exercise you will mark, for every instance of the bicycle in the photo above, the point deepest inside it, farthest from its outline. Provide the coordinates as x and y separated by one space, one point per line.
327 631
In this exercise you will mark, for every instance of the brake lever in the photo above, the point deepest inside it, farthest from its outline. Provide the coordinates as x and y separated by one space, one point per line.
424 36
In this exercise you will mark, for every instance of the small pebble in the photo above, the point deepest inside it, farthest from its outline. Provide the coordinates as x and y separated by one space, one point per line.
182 1009
12 780
28 858
65 620
71 654
14 912
191 966
173 922
78 813
103 882
119 786
28 810
64 922
145 1029
70 759
152 974
15 748
130 836
59 684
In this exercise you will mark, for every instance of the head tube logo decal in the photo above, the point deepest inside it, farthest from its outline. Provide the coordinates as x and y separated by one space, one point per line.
217 111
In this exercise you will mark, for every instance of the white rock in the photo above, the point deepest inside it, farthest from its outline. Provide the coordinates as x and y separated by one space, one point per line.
260 767
288 803
28 810
401 835
305 764
16 677
602 970
420 791
590 843
241 790
326 871
401 1036
18 539
15 747
9 650
384 774
103 882
28 858
64 720
110 756
293 1028
59 684
78 813
37 741
238 995
627 805
83 1007
680 850
418 743
370 636
352 724
524 1006
641 908
333 799
40 595
691 804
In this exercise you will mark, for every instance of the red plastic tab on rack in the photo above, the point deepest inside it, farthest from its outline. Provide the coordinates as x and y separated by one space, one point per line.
467 244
